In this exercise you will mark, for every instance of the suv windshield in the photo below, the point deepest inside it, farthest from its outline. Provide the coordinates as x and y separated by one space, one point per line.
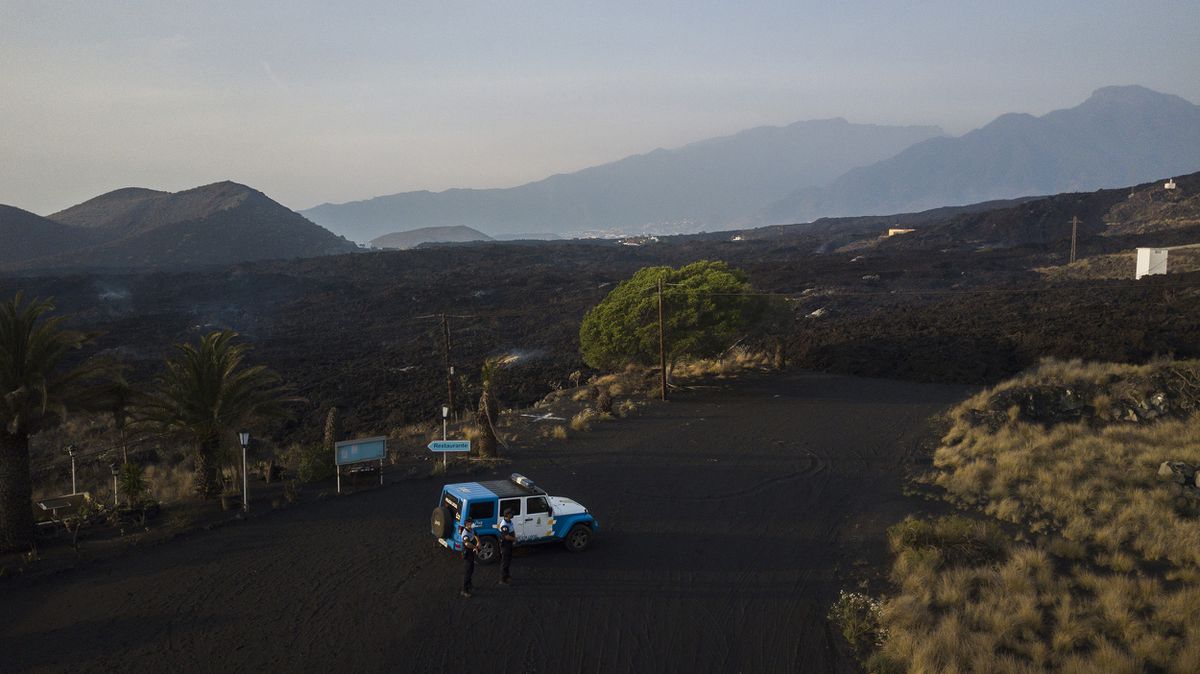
451 503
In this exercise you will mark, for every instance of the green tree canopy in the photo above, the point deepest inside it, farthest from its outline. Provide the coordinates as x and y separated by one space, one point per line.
36 391
205 394
708 306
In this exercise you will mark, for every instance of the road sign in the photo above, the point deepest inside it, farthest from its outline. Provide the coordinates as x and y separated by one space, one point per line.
362 449
450 446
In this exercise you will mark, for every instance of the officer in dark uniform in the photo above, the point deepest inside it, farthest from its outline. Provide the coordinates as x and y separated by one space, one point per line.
508 537
470 545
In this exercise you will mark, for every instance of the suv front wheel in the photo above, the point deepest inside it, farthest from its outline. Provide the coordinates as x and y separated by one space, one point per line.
578 538
488 551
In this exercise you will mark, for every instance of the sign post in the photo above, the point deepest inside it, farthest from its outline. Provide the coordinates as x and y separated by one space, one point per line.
445 416
71 452
359 451
446 446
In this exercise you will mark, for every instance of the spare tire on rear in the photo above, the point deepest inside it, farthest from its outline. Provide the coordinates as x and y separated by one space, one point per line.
440 522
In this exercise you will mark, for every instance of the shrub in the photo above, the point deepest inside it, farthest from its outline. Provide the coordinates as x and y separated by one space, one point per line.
958 540
582 422
314 463
857 617
132 483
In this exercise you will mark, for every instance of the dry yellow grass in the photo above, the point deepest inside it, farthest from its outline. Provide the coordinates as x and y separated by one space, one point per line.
1018 614
735 362
582 422
1086 598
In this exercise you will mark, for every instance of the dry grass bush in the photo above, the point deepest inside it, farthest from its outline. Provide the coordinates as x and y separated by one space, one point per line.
582 422
734 363
559 432
1098 487
1016 613
1085 600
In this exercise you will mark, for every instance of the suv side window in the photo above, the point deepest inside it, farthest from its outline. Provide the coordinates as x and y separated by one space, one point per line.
536 505
482 510
511 503
451 503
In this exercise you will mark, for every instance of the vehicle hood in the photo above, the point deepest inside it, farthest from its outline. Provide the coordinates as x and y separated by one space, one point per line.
563 506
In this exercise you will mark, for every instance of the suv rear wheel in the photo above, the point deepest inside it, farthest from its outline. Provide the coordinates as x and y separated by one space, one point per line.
488 551
440 523
578 538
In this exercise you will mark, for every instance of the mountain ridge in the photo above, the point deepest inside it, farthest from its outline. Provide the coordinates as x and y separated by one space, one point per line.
1120 135
710 183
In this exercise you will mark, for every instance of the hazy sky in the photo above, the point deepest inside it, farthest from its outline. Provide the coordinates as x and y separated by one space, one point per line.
321 101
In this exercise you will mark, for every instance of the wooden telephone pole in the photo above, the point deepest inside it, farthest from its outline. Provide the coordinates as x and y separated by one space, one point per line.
662 343
1074 235
449 367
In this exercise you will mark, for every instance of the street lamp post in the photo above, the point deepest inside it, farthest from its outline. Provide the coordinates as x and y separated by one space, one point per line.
244 437
113 468
71 453
445 416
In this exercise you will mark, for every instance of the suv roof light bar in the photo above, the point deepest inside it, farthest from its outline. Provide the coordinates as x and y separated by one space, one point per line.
525 482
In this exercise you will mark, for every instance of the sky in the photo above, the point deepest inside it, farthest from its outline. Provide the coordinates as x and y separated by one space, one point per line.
315 102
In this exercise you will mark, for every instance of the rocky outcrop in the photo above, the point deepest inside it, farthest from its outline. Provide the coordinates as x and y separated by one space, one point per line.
1140 395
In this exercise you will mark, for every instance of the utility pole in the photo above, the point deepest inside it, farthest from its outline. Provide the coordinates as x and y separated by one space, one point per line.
449 367
662 343
1074 235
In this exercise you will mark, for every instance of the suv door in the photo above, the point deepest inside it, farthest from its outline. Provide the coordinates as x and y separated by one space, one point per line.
535 523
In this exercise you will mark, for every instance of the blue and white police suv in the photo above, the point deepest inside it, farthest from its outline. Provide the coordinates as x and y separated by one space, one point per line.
537 516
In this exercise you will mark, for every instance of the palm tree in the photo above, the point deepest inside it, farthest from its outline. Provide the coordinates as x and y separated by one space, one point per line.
206 394
36 391
487 415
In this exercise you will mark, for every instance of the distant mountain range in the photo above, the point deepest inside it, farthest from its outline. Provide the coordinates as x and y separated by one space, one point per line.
1118 136
711 184
135 228
808 170
416 237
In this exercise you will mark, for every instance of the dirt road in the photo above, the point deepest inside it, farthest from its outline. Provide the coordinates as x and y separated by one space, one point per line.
726 516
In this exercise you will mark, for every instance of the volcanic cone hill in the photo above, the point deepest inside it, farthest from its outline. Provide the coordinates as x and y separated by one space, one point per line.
27 236
416 237
216 224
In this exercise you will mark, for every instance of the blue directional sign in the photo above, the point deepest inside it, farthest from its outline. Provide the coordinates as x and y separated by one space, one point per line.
363 449
450 446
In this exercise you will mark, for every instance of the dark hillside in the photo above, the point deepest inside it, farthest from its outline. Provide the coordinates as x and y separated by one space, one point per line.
120 211
24 235
354 330
217 224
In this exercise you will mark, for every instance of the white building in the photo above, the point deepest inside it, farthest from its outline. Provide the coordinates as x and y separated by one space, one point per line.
1169 185
1150 261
